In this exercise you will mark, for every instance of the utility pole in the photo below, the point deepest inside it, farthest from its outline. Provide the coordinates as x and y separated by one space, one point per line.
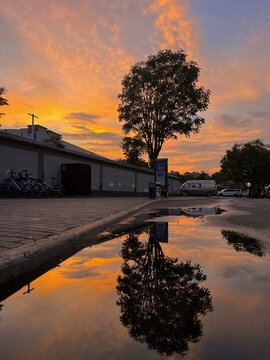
33 120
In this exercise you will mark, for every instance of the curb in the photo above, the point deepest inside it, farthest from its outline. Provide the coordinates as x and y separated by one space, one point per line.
19 261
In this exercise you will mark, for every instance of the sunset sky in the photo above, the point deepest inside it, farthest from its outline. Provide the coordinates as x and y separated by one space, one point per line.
64 61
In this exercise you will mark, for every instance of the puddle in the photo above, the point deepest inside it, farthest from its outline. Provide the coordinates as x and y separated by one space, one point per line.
142 221
166 289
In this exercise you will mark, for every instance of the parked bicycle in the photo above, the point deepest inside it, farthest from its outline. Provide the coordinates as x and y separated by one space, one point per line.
24 185
10 187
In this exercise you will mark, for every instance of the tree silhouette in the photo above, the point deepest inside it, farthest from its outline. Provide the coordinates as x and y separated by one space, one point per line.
133 148
242 242
161 99
160 299
249 162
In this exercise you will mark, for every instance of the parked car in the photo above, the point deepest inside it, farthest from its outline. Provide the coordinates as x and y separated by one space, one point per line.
198 187
230 192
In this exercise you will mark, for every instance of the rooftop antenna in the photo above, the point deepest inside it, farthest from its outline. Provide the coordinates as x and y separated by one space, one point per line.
33 121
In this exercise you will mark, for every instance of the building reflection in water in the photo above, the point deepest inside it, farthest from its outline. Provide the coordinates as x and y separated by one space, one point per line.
244 243
160 298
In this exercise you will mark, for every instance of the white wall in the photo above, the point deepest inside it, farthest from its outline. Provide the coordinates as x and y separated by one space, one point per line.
174 185
117 179
143 181
17 159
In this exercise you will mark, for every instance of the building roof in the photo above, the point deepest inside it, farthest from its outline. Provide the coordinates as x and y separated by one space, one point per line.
82 152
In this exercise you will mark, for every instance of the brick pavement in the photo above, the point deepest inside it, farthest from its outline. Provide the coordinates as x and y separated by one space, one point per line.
25 221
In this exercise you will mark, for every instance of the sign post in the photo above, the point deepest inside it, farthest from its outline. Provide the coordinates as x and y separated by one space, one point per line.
161 175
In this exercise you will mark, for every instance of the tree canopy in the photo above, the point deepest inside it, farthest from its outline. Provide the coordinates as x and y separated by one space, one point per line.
133 148
55 140
160 99
3 101
220 177
249 162
160 298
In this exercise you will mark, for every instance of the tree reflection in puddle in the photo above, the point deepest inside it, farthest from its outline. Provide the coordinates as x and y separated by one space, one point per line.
160 298
242 242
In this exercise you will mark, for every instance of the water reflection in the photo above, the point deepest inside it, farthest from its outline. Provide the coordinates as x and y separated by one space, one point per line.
160 298
28 289
242 243
142 221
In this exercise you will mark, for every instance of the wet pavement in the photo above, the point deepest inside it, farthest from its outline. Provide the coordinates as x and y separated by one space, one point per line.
166 282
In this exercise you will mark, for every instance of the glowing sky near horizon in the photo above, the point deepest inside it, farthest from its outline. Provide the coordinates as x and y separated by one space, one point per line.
64 60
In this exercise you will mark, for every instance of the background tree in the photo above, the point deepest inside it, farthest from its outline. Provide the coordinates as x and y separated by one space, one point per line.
3 101
133 148
160 99
203 175
160 299
55 140
221 177
249 162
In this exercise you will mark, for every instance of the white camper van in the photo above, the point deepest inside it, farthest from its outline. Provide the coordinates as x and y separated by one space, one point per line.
198 187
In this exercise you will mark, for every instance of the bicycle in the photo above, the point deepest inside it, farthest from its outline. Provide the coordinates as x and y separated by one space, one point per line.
57 189
10 187
25 185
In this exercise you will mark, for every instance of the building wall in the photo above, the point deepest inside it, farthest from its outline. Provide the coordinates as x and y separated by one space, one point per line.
17 159
143 180
117 179
174 185
105 176
52 168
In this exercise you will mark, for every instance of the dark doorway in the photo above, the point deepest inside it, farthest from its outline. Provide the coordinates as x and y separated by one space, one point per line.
76 179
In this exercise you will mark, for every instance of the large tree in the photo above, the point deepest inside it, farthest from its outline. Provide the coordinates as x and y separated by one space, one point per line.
160 99
249 162
3 101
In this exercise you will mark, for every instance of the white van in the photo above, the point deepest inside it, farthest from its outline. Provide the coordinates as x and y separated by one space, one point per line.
198 187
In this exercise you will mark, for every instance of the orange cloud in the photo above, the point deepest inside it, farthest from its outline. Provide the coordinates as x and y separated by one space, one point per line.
175 27
205 149
70 50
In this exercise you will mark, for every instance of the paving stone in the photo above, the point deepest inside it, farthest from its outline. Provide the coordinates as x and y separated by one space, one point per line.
24 220
9 244
11 239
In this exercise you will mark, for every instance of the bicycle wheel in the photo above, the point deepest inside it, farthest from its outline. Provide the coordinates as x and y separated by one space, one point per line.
58 191
11 191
